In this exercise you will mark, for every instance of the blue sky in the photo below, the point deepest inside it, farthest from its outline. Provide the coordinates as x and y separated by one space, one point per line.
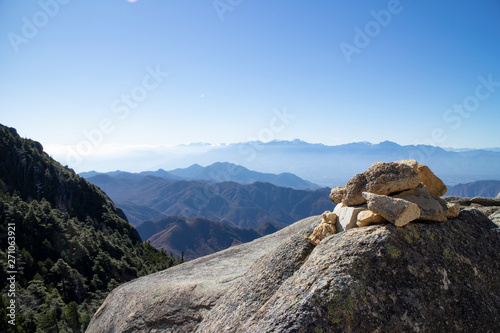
336 71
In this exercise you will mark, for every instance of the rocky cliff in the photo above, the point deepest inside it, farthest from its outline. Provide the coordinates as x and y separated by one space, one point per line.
424 266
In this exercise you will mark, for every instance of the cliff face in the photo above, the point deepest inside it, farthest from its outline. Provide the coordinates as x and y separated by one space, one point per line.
430 277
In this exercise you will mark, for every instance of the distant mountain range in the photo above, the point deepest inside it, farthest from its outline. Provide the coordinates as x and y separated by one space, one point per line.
322 164
244 206
482 188
196 237
201 216
217 172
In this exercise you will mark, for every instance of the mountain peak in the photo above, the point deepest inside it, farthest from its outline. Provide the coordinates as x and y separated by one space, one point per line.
388 143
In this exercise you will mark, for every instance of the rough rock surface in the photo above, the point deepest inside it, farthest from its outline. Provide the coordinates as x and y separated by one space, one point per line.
385 279
430 208
488 206
397 211
434 185
437 277
347 216
177 299
381 178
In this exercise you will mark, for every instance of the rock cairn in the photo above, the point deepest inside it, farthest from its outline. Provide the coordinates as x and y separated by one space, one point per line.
388 192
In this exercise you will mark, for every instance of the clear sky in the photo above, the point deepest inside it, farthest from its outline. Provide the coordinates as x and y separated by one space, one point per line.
168 72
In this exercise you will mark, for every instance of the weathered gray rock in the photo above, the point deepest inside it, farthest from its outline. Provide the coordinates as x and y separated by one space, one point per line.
375 279
177 299
430 208
485 201
381 178
367 217
488 206
397 211
347 216
434 185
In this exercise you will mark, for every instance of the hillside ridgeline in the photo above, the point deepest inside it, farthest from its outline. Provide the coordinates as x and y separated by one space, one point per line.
244 206
72 244
192 237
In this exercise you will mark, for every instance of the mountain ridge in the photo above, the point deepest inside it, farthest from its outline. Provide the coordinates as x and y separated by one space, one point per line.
196 237
216 172
245 206
480 188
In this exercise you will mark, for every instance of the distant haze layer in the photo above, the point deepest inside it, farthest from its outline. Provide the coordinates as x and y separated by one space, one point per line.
317 163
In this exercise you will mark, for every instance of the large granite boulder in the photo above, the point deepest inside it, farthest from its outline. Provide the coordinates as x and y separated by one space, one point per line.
425 277
381 178
177 299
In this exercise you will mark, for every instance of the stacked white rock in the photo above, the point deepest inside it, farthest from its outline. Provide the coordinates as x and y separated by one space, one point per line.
388 192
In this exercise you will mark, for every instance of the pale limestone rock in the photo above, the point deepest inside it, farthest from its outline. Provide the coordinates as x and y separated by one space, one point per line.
397 211
337 194
430 208
434 185
381 178
322 231
367 217
452 210
325 228
347 216
329 217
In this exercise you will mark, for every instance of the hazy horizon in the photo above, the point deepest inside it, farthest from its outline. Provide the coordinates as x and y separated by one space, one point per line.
317 163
